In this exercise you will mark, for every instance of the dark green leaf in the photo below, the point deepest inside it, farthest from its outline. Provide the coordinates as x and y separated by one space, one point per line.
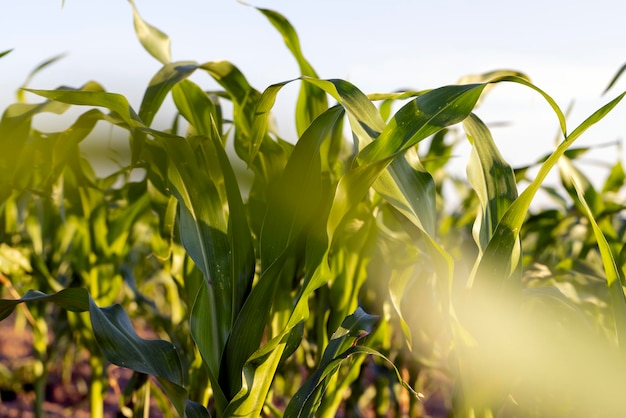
73 299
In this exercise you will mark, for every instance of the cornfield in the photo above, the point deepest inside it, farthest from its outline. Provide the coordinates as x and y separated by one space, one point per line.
226 271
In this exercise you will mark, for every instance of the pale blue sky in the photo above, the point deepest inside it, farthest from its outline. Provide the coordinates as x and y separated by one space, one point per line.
570 49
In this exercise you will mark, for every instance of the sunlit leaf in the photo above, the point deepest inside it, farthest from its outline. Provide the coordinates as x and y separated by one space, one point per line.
311 101
612 271
499 259
308 398
615 78
33 73
491 177
292 205
153 40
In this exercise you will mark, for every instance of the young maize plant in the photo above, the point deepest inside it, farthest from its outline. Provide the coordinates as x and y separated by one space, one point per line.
259 289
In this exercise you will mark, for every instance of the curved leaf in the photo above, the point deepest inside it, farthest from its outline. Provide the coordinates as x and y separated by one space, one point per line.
33 73
161 84
120 343
73 299
498 261
122 346
422 117
491 177
153 40
308 398
311 101
615 78
612 271
291 208
195 106
112 101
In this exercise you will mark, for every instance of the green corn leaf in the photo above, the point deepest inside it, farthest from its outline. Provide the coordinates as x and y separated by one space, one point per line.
523 81
239 236
287 213
490 77
203 226
204 328
291 207
112 101
414 122
54 153
195 410
491 177
439 152
422 117
311 101
120 343
15 129
235 83
152 39
261 120
410 189
616 179
406 186
365 120
500 257
250 384
409 126
178 396
121 226
195 106
196 218
66 144
385 108
349 264
309 397
268 167
333 366
161 84
73 299
33 73
355 184
615 78
593 199
612 271
291 40
242 265
399 281
3 53
122 346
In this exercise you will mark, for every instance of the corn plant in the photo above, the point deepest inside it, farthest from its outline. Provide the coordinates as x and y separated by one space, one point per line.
281 288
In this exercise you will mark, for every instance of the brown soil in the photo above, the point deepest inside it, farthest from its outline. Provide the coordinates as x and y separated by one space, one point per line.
70 397
62 398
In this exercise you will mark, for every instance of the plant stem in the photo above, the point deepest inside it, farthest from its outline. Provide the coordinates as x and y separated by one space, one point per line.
40 345
96 386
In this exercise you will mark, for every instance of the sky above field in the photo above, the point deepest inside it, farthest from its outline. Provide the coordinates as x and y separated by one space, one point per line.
569 49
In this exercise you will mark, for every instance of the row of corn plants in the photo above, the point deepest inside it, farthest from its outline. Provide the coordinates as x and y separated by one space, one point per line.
292 278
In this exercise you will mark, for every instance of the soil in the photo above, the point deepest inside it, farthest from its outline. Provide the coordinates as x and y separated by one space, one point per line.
62 399
70 398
